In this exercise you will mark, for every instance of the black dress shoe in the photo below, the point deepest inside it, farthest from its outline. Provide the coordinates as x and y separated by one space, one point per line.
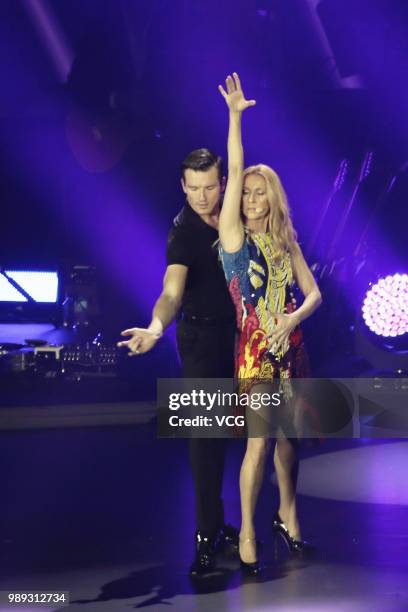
204 560
229 537
294 546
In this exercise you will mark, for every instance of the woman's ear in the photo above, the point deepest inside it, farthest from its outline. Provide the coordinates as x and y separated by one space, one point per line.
223 183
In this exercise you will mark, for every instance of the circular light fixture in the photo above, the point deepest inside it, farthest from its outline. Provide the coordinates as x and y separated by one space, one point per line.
385 307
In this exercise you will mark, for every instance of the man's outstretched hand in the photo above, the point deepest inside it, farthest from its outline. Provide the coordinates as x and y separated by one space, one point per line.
141 340
234 96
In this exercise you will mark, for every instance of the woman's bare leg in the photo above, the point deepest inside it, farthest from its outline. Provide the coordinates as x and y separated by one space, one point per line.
250 481
287 466
252 471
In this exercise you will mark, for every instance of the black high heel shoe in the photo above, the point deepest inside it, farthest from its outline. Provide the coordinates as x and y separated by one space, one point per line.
250 569
294 546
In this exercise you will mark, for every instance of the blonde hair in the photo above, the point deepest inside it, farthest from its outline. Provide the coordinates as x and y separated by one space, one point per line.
280 226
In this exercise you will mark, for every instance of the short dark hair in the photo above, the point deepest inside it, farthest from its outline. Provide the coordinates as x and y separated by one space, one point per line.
202 160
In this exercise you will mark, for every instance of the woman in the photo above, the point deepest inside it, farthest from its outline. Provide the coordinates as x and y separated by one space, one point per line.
262 260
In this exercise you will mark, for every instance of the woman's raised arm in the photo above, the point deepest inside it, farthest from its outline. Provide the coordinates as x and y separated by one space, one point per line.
231 228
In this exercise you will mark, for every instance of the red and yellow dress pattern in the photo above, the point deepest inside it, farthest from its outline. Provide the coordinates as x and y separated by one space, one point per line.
261 284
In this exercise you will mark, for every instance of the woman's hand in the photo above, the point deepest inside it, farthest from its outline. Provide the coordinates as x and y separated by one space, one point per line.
234 96
279 338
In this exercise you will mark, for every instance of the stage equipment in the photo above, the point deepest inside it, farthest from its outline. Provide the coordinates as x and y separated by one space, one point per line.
385 307
350 26
71 360
380 203
364 172
81 304
28 286
381 328
29 295
337 186
91 358
16 359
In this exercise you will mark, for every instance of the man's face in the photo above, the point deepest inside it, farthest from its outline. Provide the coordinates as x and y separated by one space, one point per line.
203 190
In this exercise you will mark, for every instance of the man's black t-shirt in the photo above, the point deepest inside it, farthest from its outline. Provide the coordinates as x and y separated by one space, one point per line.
191 243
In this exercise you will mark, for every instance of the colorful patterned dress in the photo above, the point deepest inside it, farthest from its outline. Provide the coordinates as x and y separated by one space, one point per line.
260 287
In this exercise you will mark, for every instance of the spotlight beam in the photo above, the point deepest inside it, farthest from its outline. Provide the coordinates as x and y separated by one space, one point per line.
51 36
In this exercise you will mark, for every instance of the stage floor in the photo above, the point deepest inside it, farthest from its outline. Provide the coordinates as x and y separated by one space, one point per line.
106 513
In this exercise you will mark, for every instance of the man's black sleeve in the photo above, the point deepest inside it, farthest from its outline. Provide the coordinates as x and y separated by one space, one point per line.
179 248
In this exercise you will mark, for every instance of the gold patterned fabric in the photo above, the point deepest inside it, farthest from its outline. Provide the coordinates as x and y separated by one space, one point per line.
261 285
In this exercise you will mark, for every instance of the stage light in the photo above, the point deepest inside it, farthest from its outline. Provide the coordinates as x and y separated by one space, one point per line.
21 285
385 307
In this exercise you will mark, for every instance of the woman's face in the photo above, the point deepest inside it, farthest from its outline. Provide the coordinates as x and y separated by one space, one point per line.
255 204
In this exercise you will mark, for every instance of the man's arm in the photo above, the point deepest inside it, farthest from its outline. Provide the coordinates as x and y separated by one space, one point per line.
169 302
164 312
231 228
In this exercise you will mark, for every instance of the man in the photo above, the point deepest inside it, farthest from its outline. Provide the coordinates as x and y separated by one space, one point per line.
194 290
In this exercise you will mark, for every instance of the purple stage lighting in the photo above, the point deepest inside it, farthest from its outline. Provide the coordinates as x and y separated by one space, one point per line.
385 307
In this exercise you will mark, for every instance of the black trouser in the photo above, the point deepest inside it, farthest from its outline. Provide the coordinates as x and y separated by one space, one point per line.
207 351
